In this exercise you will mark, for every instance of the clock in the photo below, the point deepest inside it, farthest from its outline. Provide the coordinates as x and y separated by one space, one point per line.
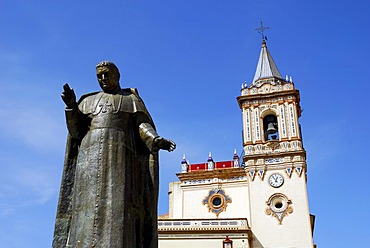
276 180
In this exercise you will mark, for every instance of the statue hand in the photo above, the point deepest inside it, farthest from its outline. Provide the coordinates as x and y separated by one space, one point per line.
69 96
164 144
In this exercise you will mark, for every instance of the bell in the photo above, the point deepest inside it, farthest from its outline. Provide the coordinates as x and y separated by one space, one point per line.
271 128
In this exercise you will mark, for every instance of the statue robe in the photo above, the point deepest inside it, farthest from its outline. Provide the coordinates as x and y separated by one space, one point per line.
109 188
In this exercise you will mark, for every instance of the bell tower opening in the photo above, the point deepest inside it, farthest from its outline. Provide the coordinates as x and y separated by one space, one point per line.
270 128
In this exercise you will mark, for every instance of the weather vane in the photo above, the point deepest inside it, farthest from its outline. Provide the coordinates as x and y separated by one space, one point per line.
261 30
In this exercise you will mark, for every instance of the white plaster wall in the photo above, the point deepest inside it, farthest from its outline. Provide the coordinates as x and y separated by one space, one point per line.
192 202
188 201
238 192
176 201
200 243
295 230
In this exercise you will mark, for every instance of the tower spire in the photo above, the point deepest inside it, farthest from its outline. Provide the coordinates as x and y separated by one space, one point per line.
266 67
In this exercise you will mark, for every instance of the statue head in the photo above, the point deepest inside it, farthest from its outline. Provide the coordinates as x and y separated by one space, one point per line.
108 76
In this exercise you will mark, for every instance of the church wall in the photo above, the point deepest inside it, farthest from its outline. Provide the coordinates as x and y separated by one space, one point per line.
176 201
188 201
268 194
201 243
295 228
216 242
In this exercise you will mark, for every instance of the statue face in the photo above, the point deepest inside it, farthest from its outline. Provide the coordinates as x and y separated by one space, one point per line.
107 78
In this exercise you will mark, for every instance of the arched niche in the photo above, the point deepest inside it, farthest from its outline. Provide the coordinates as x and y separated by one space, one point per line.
270 126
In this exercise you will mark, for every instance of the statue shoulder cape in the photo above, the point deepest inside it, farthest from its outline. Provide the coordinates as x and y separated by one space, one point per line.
138 104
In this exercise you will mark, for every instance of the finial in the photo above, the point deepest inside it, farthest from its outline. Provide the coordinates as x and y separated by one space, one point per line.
183 159
211 163
236 160
261 31
210 156
184 164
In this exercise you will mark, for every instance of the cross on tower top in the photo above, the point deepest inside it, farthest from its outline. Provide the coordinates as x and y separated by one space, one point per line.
261 30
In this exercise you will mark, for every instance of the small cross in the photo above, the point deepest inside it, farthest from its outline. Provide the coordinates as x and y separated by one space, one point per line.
261 30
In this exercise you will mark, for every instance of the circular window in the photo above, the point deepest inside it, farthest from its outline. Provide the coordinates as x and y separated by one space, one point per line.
278 204
216 201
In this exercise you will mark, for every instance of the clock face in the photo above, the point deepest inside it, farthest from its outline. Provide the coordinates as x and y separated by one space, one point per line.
276 180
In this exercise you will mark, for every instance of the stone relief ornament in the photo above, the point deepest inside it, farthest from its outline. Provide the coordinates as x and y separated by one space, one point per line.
279 206
217 201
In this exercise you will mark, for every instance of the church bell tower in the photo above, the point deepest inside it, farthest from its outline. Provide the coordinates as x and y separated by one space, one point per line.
274 158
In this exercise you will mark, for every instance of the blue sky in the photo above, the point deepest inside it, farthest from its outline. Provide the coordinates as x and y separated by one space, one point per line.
188 59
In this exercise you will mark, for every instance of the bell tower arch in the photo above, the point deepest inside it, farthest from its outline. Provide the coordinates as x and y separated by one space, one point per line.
274 158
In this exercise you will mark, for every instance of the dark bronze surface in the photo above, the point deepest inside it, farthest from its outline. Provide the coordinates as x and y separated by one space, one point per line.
109 189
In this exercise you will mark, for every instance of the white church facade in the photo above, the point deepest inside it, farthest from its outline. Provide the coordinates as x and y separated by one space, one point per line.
258 200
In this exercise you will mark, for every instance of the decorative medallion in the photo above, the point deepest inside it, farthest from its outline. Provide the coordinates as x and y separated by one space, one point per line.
273 144
216 201
278 206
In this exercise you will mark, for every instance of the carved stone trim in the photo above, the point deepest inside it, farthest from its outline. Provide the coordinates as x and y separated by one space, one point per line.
217 201
279 206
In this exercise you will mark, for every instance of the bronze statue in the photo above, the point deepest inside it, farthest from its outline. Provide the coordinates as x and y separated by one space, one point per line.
109 189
